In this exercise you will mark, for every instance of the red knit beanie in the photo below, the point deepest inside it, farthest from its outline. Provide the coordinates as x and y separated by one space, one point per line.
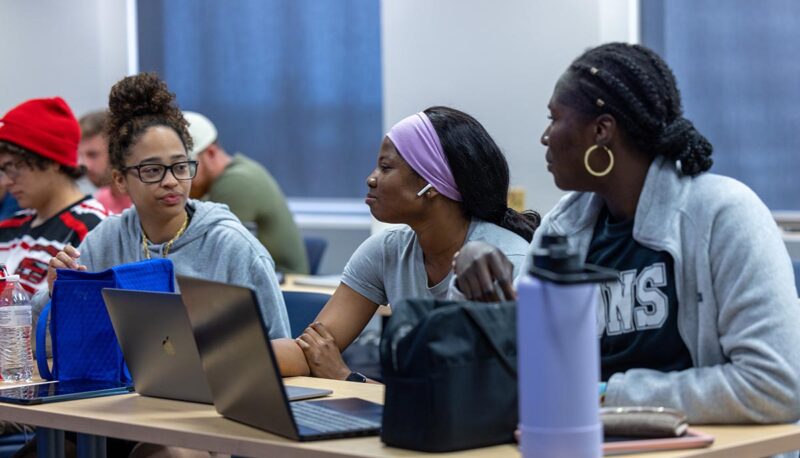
46 127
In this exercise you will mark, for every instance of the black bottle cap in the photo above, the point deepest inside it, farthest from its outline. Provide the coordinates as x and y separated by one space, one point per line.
554 261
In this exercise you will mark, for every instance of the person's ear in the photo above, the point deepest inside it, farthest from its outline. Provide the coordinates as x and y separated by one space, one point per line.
210 152
431 193
118 180
605 129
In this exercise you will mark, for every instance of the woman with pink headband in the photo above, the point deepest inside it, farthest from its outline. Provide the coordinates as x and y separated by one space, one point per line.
440 174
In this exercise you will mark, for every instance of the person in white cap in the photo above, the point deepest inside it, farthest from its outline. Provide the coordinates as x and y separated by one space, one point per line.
250 191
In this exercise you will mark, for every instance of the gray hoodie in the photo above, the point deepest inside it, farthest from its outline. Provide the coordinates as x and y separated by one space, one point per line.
738 312
215 247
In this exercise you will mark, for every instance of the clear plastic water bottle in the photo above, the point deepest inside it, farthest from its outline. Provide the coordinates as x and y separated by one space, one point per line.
3 275
16 360
558 354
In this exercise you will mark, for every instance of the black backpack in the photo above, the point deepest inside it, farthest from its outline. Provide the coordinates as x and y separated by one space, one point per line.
450 372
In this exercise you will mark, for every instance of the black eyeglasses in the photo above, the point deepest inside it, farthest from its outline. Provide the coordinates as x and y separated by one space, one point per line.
154 173
11 169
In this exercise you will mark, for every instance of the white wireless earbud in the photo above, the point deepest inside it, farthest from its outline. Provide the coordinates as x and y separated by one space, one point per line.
422 191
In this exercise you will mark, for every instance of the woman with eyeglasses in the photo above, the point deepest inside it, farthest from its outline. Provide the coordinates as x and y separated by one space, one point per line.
148 144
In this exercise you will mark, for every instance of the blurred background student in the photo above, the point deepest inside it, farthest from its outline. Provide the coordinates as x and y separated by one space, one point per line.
93 154
248 189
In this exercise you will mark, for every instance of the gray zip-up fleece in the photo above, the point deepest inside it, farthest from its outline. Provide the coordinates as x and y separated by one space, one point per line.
738 311
215 247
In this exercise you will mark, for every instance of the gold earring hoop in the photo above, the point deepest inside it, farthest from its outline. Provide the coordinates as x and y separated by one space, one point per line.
589 169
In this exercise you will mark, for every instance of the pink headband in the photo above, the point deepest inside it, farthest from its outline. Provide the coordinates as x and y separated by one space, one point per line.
416 140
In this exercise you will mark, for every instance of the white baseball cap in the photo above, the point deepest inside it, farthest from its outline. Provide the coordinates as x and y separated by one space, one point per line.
202 131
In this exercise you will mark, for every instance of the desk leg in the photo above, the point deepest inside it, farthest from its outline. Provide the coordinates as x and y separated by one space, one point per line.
49 443
90 446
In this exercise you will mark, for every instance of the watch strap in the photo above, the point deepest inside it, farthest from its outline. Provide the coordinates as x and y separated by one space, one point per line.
356 377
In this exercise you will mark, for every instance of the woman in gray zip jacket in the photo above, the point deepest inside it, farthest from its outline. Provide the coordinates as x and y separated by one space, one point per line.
704 316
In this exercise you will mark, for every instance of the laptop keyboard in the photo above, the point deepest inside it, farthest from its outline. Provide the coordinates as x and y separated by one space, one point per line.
325 420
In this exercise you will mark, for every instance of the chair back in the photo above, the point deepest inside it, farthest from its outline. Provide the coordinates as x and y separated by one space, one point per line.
303 307
315 248
11 443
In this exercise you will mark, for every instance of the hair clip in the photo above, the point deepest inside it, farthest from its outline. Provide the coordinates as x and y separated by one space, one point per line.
600 102
593 70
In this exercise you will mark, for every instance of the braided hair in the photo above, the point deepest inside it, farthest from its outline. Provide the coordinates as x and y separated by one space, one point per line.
480 171
135 104
633 84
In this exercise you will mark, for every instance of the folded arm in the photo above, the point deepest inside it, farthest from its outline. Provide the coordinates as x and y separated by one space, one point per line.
318 350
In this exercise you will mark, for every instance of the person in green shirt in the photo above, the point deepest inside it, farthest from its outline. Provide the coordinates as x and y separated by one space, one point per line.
250 191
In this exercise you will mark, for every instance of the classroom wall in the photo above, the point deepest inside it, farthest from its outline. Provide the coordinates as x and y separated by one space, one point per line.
76 49
497 61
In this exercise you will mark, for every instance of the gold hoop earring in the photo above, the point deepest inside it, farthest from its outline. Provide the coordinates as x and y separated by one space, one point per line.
589 152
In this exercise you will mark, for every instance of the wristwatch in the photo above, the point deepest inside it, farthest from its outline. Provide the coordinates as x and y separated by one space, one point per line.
356 377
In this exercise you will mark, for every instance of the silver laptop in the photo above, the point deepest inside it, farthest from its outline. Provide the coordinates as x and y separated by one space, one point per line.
157 342
243 373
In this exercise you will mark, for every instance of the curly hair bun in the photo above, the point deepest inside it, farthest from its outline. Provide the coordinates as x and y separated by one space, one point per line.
141 95
137 103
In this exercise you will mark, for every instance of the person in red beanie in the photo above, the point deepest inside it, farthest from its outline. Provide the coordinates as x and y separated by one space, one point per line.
39 166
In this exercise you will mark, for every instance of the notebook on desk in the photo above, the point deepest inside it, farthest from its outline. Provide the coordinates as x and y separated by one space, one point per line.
615 445
157 342
242 371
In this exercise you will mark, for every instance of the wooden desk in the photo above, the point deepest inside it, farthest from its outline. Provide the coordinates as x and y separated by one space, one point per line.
290 284
198 426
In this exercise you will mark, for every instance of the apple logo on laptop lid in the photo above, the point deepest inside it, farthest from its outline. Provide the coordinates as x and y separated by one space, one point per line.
169 349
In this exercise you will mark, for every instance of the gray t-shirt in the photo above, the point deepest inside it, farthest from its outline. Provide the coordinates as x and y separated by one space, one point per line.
389 267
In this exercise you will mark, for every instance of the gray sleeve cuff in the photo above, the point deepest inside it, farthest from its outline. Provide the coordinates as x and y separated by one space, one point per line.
368 291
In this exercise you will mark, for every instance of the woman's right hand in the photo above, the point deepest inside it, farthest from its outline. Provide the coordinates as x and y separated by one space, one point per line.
322 354
65 259
480 266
